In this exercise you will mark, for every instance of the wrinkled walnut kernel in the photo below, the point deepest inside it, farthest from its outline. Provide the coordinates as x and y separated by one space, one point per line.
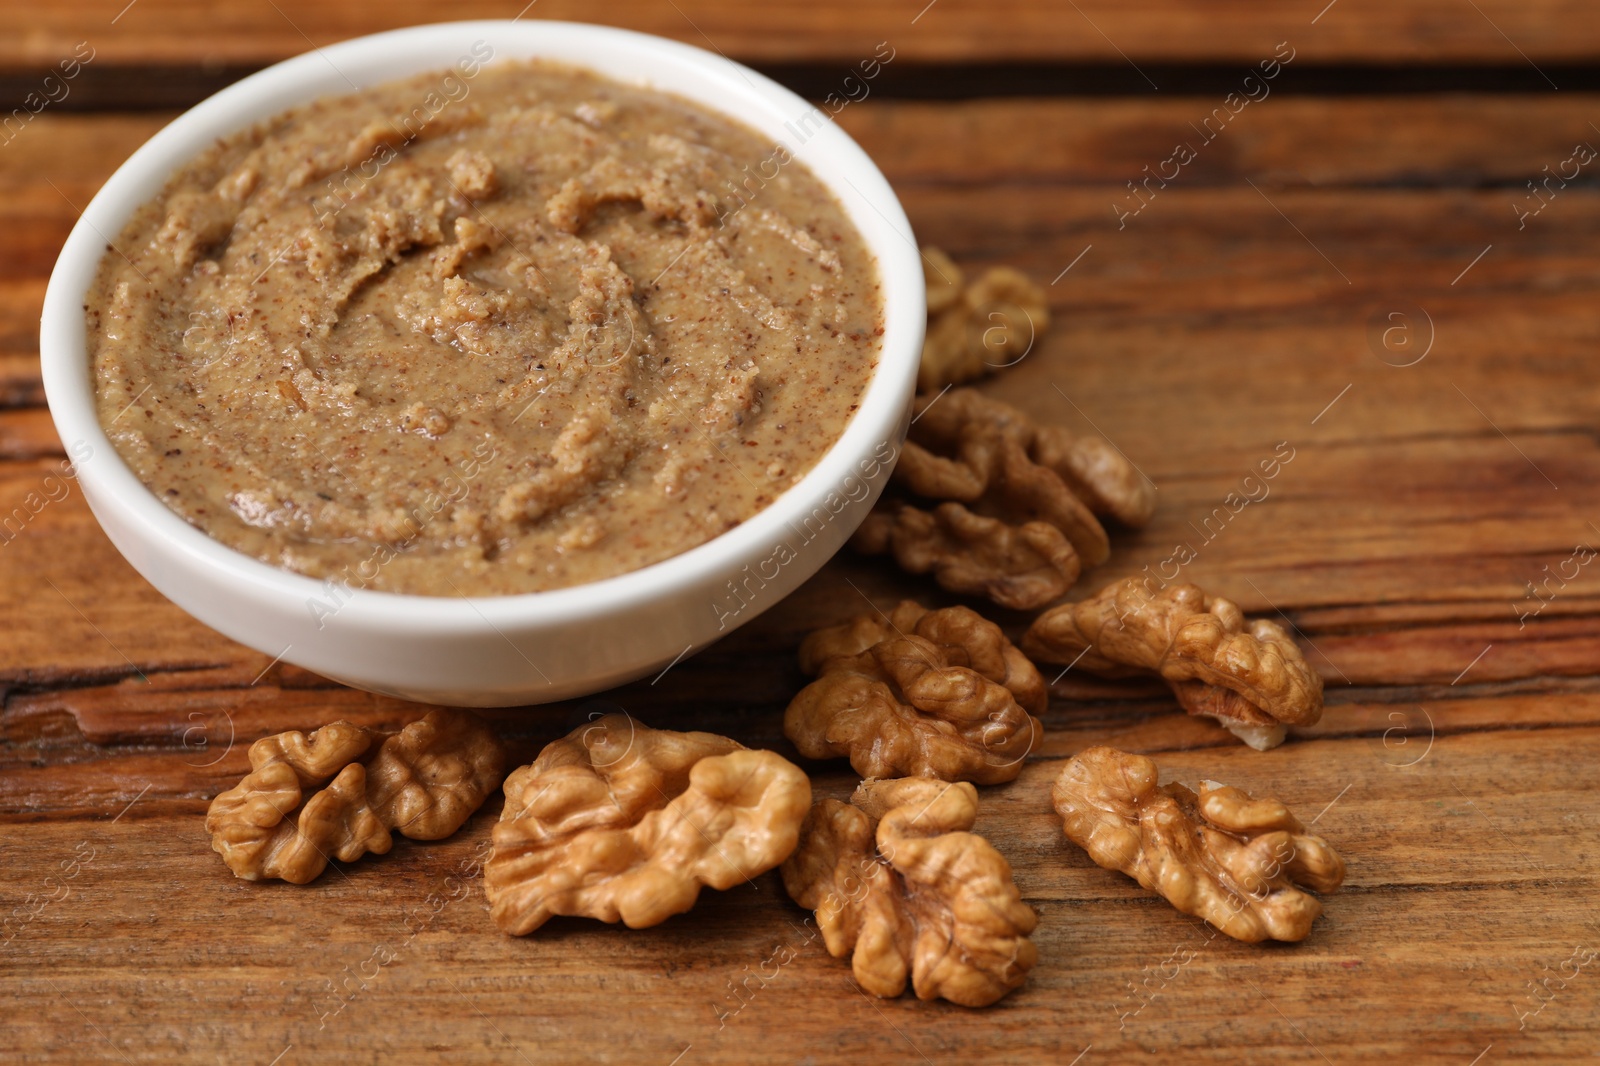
946 355
1009 314
1020 567
918 693
972 449
621 822
423 782
976 329
1249 677
899 884
1101 476
1237 862
1001 479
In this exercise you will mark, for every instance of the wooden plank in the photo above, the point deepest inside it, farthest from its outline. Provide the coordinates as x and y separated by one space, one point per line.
88 613
28 434
1101 31
1287 140
1432 141
104 608
1141 329
20 384
1437 903
48 174
206 719
1450 767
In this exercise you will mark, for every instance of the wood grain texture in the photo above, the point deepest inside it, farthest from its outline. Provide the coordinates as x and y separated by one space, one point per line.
1104 31
1453 768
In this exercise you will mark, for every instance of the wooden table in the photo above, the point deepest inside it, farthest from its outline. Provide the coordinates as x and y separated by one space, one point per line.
1362 216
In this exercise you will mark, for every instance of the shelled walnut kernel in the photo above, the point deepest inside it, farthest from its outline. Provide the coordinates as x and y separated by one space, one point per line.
900 884
423 782
1237 862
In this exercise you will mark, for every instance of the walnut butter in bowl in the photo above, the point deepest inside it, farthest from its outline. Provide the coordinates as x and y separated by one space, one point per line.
489 362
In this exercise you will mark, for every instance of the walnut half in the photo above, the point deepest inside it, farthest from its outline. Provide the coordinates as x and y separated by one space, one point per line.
996 506
423 782
1250 677
965 446
1014 566
1237 862
621 822
978 328
900 884
918 693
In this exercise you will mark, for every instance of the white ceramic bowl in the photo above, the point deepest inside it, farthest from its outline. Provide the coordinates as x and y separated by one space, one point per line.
501 650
